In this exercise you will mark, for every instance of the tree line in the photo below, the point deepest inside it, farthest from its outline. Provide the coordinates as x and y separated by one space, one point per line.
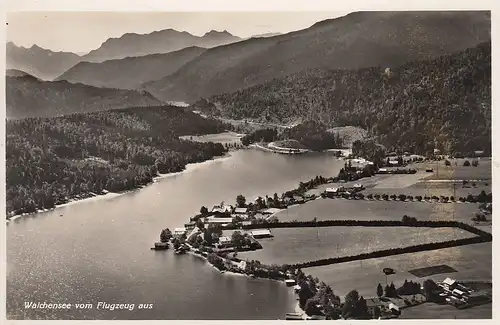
52 160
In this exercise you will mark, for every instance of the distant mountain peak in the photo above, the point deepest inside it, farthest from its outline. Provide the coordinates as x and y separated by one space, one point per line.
217 33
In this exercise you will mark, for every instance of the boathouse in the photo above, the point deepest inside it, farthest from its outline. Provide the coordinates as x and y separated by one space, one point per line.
290 282
261 233
218 221
271 211
241 210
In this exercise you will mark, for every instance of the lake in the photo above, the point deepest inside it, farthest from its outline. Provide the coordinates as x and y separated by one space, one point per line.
99 251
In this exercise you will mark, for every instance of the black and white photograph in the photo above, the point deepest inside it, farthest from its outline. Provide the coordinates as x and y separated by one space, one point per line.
248 165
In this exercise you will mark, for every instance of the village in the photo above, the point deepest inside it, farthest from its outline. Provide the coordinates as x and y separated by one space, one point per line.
227 235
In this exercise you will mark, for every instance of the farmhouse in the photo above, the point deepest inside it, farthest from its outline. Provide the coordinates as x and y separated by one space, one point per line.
449 284
261 233
225 241
222 209
373 303
190 225
333 191
458 293
298 199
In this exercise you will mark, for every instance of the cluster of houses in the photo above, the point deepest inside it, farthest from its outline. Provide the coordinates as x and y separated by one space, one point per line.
338 191
458 294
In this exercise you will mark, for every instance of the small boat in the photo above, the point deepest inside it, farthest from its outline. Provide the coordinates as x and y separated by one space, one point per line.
293 316
160 246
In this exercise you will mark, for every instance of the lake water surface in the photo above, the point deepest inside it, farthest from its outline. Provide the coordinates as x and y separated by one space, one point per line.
100 251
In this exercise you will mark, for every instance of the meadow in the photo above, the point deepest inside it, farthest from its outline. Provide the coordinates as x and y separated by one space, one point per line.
296 245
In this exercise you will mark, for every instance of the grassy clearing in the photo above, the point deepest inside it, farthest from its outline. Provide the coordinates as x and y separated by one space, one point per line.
472 262
340 209
296 245
435 311
225 137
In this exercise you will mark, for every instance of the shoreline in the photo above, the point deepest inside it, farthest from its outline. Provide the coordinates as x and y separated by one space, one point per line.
111 195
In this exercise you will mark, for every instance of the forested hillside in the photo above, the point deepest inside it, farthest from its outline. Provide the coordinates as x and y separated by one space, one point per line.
444 102
357 40
28 96
131 72
51 160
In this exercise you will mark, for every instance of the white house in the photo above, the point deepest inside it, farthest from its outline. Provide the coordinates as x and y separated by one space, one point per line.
271 211
449 284
261 233
222 209
179 231
225 241
219 221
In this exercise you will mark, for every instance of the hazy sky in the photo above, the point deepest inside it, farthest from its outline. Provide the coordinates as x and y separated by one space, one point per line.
85 31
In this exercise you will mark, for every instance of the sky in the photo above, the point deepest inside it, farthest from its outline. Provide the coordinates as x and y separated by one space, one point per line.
81 32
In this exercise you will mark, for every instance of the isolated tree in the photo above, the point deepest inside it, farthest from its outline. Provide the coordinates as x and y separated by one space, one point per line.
203 211
311 307
430 288
351 299
238 239
165 235
240 201
361 309
305 293
380 290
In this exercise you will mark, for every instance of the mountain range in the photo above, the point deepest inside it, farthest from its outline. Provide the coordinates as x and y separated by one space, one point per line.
39 62
164 41
219 63
360 39
131 72
47 65
27 96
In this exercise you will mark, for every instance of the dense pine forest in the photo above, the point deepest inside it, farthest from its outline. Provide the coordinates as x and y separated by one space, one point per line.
442 103
52 160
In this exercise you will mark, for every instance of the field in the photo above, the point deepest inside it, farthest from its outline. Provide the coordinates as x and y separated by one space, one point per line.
472 262
458 171
340 209
423 183
435 311
295 245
